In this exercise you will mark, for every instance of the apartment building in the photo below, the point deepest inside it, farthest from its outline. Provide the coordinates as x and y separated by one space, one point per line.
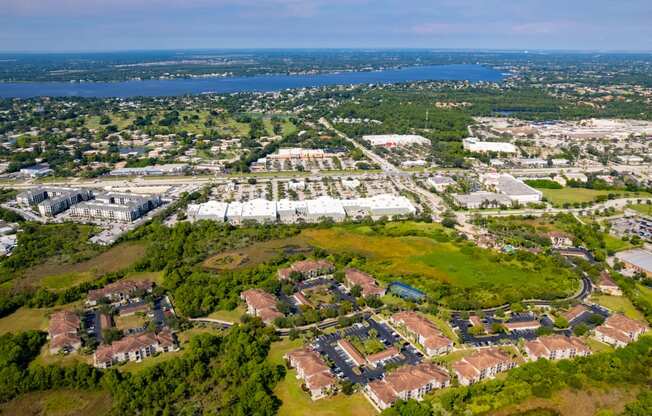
310 367
423 331
407 382
115 206
619 330
354 277
63 332
307 269
53 200
482 365
261 304
134 348
122 291
556 347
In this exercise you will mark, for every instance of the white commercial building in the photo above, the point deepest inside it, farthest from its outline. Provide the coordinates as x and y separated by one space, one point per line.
311 210
211 210
396 140
472 144
440 183
517 190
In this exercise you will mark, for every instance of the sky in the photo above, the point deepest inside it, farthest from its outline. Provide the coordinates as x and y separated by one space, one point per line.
107 25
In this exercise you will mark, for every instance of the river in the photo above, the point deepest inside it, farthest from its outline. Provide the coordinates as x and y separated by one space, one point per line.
262 83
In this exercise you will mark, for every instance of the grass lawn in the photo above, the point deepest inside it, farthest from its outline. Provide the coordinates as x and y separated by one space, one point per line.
25 319
579 195
66 280
616 244
62 276
597 346
135 367
584 402
59 403
45 358
297 402
156 277
229 316
428 262
130 321
644 209
619 304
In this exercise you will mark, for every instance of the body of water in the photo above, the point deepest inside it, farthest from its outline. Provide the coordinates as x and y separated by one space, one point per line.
263 83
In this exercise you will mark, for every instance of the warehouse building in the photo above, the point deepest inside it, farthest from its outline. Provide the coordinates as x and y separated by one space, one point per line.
396 140
472 144
517 190
211 210
482 199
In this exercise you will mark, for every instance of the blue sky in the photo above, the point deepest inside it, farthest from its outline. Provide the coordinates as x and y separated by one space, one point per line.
96 25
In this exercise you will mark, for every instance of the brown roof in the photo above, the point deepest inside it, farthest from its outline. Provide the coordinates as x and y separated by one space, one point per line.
383 391
320 380
121 286
105 321
623 323
133 308
476 321
133 343
575 312
64 340
383 355
522 324
306 266
352 351
259 299
414 322
365 281
484 359
552 343
63 322
308 361
411 377
613 333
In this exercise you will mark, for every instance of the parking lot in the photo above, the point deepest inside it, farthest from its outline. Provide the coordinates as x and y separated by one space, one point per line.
344 367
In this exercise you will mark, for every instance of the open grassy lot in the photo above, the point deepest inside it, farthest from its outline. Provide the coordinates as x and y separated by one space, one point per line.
579 195
256 254
584 402
25 319
644 209
59 403
156 277
132 321
229 316
427 262
297 402
619 304
45 358
616 244
62 276
135 367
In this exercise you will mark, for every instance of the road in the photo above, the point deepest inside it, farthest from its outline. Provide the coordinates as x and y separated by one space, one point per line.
402 180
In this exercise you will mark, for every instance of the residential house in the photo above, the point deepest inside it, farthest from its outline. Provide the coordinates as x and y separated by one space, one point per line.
307 269
481 365
608 286
424 332
407 382
134 348
370 287
556 347
313 371
121 291
619 330
63 332
261 304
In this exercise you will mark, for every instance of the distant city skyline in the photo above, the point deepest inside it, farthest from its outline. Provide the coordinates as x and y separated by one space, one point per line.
102 25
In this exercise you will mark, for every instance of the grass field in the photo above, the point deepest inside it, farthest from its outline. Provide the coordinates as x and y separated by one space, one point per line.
619 304
229 316
62 276
25 319
45 358
297 402
644 209
616 244
426 263
255 254
131 321
584 402
59 403
579 195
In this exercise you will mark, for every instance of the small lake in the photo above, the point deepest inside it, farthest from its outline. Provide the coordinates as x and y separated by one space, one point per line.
262 83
